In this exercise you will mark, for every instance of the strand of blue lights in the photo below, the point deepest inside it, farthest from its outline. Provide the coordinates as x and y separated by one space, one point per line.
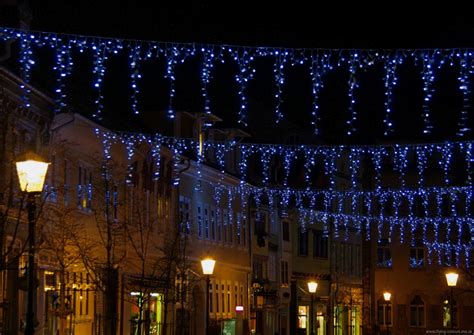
390 65
465 70
278 72
208 58
244 56
320 65
63 67
135 75
401 162
245 74
100 56
26 63
428 63
353 84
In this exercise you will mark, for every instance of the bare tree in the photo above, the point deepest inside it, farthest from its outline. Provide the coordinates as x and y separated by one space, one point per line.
61 234
13 213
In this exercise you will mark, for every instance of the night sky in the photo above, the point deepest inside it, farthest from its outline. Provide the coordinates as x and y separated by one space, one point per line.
388 25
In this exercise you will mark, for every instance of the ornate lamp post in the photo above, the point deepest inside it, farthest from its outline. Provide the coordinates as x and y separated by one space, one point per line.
452 279
312 287
31 171
387 296
208 269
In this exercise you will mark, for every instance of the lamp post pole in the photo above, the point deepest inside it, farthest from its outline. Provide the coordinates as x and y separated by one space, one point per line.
312 287
30 312
387 296
31 169
208 269
452 308
208 284
312 315
451 279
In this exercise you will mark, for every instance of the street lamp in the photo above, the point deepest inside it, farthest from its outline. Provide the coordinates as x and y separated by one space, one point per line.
452 279
312 287
387 296
31 170
207 269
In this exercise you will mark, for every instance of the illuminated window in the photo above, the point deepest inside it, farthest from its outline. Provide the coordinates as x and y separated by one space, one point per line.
302 317
448 315
84 189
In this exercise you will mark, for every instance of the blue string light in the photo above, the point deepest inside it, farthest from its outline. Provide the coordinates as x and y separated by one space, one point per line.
278 71
400 161
26 63
341 220
390 65
135 75
208 57
465 69
320 65
171 61
156 154
428 62
99 50
353 64
321 61
63 67
245 74
310 162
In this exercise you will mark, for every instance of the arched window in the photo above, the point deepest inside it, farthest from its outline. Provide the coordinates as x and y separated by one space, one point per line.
449 313
384 312
417 312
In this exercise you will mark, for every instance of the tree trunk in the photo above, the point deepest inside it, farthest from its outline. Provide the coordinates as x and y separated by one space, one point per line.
62 307
110 301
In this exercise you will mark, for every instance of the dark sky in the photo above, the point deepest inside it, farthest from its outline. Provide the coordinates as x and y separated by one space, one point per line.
388 25
295 24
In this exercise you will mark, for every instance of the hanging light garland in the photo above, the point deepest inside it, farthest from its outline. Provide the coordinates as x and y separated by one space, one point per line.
381 207
319 61
327 156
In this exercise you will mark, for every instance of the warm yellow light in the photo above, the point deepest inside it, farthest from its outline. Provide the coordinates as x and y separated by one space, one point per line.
312 286
201 142
452 278
208 266
387 296
31 173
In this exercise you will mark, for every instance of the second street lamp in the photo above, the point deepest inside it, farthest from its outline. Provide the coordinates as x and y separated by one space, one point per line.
208 269
312 287
451 279
31 171
387 296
